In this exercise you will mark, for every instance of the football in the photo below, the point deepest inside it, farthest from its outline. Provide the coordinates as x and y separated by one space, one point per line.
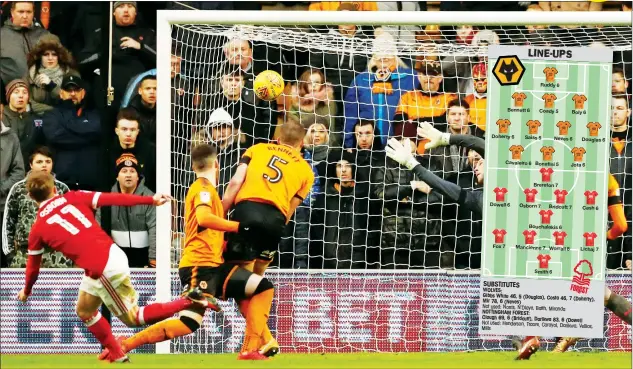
268 85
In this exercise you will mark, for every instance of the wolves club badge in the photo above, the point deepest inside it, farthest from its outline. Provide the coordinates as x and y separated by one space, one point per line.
508 70
580 282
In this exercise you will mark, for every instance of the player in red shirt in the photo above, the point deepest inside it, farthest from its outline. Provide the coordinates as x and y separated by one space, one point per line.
560 196
591 197
66 223
559 238
546 174
589 238
530 194
529 236
546 216
500 194
499 235
543 261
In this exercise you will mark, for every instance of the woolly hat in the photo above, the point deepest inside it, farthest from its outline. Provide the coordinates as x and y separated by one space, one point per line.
126 160
13 85
119 3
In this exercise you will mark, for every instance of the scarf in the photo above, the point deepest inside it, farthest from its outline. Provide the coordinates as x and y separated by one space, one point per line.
381 84
319 152
56 74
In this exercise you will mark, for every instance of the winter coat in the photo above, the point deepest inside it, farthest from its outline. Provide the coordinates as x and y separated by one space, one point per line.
345 239
11 163
15 43
19 215
74 134
134 228
228 159
361 103
409 230
27 126
126 63
44 98
147 118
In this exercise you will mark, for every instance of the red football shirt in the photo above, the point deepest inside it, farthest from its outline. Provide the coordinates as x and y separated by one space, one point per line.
546 174
500 194
559 238
67 224
543 261
591 197
529 236
589 238
560 196
546 216
530 194
499 235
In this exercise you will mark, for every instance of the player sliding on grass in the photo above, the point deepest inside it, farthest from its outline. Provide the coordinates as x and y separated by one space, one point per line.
268 185
620 306
473 200
67 224
202 265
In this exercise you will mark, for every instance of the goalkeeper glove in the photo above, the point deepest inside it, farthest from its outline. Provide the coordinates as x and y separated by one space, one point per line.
401 153
435 137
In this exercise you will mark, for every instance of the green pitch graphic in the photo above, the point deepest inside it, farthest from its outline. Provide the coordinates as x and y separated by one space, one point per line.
547 146
545 193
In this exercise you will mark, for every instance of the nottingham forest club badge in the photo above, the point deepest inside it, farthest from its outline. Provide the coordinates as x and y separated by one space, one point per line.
508 70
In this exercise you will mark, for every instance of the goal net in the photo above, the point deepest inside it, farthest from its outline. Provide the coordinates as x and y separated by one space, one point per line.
367 263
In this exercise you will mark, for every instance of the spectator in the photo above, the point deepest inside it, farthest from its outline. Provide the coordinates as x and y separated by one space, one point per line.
426 103
74 133
11 168
410 235
133 227
221 132
131 140
312 95
375 93
369 156
17 36
308 215
133 47
145 105
452 160
47 64
345 239
619 84
477 101
20 213
19 118
342 66
402 34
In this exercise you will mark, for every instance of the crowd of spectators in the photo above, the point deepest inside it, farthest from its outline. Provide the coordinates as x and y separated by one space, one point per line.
363 211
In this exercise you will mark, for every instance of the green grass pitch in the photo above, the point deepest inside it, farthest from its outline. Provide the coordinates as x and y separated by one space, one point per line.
355 360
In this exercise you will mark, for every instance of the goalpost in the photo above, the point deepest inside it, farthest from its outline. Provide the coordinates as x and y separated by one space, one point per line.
421 309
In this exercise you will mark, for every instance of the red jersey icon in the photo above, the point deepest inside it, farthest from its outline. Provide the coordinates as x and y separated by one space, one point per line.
543 261
560 196
589 238
559 238
499 235
591 197
500 194
546 216
546 174
529 235
530 194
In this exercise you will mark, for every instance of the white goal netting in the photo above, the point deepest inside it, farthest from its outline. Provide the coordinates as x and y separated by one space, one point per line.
367 263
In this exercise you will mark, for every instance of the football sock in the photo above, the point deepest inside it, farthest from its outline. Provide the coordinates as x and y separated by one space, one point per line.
266 335
100 328
159 311
620 307
161 331
257 319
